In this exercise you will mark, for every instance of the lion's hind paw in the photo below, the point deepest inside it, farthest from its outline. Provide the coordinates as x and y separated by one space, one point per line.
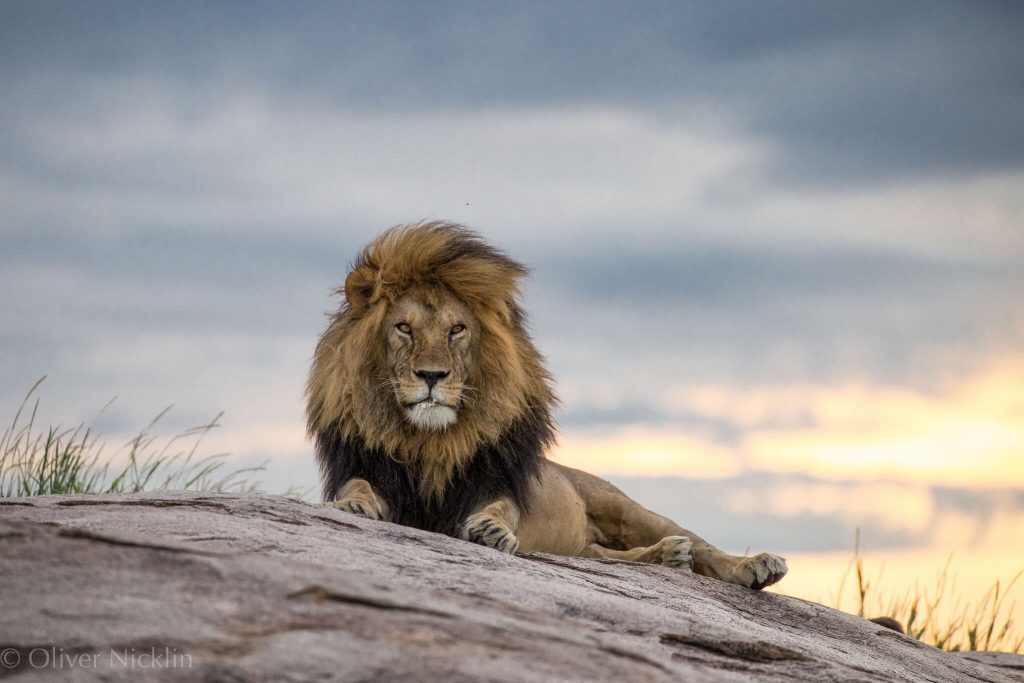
761 571
677 551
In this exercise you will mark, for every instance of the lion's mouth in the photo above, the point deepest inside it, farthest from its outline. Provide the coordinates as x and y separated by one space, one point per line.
431 414
428 402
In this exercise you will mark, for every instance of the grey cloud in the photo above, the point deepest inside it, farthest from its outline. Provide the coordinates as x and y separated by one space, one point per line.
645 414
772 316
747 275
847 92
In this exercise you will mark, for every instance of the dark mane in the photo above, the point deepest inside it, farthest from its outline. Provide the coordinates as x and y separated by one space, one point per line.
508 467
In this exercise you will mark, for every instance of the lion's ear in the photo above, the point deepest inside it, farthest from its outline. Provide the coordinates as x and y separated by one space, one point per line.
359 287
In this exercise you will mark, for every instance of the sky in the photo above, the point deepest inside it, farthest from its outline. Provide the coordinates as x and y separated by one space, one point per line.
777 249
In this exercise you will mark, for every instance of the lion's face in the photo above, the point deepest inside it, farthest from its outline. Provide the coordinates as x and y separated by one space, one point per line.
428 358
430 338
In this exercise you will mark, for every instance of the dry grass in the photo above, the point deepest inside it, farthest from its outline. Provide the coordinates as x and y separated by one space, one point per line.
936 614
55 459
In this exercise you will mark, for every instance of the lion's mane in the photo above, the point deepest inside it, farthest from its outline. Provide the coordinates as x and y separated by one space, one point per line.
431 479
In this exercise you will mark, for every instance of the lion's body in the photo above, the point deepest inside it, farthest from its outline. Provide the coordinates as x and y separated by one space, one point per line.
431 407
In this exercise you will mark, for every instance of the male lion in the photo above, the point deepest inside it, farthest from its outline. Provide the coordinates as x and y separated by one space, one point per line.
430 407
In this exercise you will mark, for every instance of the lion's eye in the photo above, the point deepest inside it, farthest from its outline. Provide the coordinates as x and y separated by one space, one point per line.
404 328
458 329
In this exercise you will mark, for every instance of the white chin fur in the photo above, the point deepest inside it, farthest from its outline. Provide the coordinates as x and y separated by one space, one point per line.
431 416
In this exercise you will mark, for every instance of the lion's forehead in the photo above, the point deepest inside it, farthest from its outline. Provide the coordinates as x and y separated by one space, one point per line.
432 307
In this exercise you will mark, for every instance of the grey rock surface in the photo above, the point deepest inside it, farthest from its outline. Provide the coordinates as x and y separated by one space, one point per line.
223 587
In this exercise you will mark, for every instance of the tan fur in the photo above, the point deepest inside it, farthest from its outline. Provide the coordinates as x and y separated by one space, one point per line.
363 370
358 497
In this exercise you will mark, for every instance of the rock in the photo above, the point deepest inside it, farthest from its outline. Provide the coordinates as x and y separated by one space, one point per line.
1011 665
225 587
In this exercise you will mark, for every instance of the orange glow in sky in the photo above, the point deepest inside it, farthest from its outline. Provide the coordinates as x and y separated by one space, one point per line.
969 434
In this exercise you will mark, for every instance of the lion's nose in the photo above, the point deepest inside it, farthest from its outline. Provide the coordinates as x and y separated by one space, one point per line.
431 377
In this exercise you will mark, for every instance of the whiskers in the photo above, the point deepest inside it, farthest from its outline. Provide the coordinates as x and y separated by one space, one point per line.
386 382
467 397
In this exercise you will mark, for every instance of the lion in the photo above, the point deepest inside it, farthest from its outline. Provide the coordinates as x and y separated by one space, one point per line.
430 407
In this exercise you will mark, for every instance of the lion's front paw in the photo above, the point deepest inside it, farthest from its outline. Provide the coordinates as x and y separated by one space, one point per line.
360 506
760 571
488 530
677 551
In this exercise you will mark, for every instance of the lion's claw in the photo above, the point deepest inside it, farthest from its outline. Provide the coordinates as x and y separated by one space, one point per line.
358 507
486 530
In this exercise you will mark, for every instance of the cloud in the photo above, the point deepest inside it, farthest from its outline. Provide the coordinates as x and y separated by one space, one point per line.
885 505
144 160
964 432
796 512
854 94
970 433
638 452
191 249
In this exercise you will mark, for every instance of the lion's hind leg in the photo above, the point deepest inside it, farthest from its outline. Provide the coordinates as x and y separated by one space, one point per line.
671 551
621 521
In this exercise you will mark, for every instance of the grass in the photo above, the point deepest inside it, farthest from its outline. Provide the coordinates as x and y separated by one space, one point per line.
936 614
38 461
